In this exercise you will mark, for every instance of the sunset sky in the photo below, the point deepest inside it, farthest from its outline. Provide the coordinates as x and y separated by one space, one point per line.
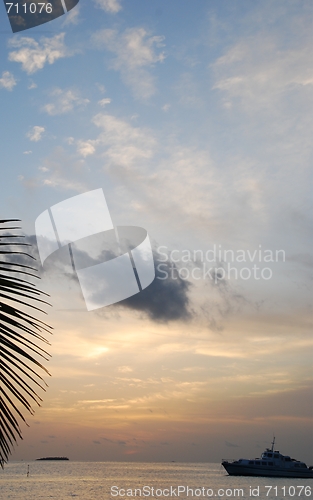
195 118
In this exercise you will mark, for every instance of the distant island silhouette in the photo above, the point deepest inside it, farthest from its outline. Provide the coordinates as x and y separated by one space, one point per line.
53 458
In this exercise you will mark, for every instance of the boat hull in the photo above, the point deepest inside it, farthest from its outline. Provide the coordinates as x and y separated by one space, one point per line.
244 470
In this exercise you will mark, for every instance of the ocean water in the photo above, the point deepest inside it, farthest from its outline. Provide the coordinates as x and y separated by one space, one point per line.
121 480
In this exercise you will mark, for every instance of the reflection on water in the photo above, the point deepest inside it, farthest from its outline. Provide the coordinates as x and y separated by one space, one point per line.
109 480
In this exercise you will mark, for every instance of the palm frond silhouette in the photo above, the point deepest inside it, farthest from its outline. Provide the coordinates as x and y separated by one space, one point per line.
21 334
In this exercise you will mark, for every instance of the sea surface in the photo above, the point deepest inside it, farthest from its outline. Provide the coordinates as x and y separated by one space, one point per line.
121 480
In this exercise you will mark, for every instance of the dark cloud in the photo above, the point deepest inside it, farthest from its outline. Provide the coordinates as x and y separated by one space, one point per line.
166 299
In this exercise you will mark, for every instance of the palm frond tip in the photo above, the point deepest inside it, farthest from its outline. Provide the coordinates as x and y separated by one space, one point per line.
20 335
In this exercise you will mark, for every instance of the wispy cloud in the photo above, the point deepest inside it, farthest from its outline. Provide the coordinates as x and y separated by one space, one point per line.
135 53
120 142
112 6
60 171
7 81
32 85
34 55
104 102
191 183
125 144
124 369
72 17
35 134
86 148
64 101
100 87
255 73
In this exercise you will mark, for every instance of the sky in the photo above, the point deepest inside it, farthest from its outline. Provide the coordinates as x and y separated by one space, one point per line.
195 119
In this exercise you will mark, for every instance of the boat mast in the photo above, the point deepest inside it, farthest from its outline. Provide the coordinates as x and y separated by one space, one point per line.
273 442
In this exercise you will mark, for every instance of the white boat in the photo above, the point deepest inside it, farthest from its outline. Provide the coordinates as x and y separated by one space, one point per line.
271 464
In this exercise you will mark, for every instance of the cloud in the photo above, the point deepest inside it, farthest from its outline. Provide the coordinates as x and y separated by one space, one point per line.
104 102
32 85
165 299
112 6
64 101
86 148
124 369
121 143
72 17
100 87
257 72
191 183
35 134
134 53
60 171
7 81
125 145
35 55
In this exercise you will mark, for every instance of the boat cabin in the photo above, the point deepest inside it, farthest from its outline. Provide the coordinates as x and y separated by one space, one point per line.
275 456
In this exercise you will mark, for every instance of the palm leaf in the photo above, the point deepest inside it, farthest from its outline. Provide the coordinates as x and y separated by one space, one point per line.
20 335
